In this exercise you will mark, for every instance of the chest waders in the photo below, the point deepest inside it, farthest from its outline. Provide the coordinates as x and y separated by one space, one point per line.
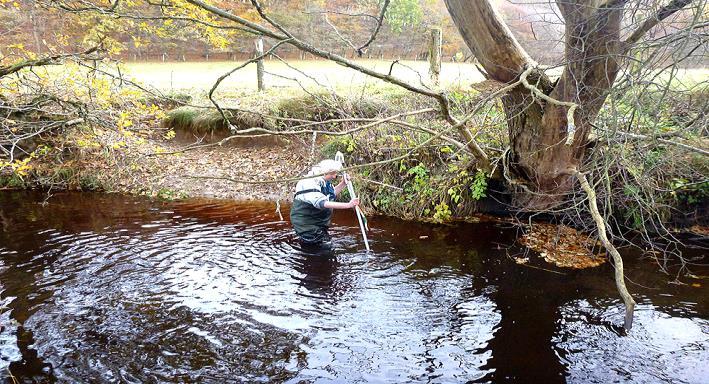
311 224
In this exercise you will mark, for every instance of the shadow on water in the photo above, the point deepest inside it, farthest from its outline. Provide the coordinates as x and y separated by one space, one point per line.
106 288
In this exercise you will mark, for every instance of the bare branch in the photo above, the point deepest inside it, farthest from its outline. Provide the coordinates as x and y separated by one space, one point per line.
337 32
313 50
663 13
49 60
224 76
440 97
380 20
637 136
571 124
268 19
344 14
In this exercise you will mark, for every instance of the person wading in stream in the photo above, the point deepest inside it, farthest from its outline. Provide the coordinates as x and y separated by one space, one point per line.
313 203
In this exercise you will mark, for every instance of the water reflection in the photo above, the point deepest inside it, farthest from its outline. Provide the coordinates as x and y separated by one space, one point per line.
104 288
660 348
317 272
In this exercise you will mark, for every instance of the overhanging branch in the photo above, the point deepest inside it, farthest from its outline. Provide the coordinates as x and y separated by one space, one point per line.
294 41
49 60
664 12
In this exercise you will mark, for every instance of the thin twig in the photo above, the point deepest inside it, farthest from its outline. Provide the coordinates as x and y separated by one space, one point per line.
380 21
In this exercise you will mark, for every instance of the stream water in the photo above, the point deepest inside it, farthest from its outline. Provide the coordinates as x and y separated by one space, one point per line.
106 288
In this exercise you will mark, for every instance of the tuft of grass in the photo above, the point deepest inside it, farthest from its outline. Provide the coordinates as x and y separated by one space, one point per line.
90 183
12 181
209 121
181 118
171 100
314 106
325 106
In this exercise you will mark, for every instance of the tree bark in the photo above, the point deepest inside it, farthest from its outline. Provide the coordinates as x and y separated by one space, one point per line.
489 38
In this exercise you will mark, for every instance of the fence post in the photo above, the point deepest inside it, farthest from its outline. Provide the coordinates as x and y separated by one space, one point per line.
259 64
434 56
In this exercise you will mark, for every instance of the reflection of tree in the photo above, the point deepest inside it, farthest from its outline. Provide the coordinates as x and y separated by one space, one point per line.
528 302
526 299
67 212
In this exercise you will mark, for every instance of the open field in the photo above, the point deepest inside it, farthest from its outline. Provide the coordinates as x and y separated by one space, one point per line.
313 73
202 75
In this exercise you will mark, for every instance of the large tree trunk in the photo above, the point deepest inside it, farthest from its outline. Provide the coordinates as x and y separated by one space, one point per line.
539 158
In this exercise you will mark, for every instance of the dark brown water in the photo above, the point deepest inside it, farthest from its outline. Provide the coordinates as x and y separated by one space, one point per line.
104 288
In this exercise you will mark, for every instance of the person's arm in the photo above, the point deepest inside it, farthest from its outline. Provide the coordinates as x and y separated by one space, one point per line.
335 205
339 187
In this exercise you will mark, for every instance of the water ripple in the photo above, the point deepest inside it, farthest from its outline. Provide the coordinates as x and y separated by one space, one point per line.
112 289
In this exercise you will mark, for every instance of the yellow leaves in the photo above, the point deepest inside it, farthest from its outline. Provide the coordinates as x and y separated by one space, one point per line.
24 166
61 39
18 167
215 39
124 121
169 135
115 49
161 33
138 42
87 143
13 3
125 124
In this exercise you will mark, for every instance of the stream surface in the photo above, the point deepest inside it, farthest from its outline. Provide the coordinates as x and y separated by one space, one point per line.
101 288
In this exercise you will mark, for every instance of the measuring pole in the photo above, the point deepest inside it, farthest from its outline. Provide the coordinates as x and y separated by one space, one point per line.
350 188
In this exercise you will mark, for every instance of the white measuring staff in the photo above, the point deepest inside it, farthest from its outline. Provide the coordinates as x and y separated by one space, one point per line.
360 216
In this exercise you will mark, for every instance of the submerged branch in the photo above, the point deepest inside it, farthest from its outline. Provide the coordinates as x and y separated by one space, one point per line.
617 259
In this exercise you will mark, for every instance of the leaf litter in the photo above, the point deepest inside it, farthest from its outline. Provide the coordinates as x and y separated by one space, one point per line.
563 246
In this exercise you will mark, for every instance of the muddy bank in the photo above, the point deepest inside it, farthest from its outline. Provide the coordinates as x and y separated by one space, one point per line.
203 172
178 167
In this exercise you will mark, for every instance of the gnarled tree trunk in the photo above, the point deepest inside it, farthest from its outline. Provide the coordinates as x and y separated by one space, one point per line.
539 157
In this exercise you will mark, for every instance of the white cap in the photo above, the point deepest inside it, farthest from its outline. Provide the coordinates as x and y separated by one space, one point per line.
326 166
